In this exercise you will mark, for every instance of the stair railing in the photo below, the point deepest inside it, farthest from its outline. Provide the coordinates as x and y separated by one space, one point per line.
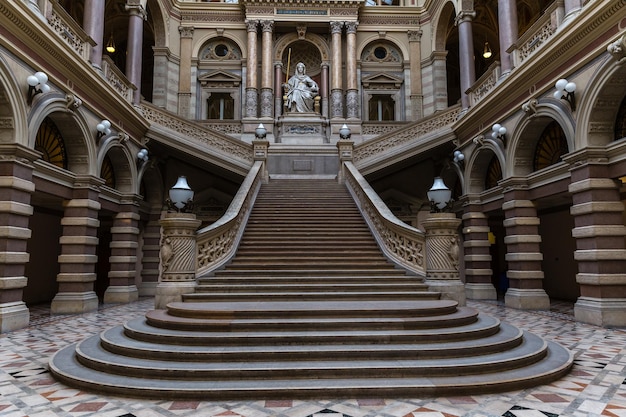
401 243
217 243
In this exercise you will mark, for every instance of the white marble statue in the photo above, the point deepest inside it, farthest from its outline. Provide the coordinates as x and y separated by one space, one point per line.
301 91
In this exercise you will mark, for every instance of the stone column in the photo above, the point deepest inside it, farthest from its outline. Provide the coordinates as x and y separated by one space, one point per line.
442 256
135 45
16 187
150 254
478 272
466 53
600 235
123 260
507 28
267 26
415 51
184 74
278 89
352 93
78 259
523 249
178 258
336 88
324 89
251 70
93 23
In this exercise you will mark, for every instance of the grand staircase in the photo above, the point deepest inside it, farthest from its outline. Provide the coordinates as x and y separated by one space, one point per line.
309 307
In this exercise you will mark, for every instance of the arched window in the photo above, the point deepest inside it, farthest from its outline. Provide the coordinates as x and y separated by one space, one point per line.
49 142
551 146
493 173
107 173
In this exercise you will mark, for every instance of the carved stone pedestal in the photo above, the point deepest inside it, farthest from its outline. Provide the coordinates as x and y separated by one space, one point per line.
178 258
442 256
302 129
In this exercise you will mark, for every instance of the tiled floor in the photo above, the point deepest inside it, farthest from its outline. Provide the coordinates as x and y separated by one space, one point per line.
595 387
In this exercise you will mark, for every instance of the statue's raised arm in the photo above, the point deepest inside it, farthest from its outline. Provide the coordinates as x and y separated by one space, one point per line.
301 91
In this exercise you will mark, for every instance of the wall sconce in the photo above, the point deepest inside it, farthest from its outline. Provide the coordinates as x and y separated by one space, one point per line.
103 128
458 156
487 51
345 133
498 131
37 83
439 196
111 45
142 155
260 132
565 91
181 196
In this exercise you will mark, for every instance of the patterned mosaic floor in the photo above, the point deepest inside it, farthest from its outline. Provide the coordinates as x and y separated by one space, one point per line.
595 387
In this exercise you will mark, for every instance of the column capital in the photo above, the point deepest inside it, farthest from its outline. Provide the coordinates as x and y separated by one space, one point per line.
267 26
136 9
351 27
464 16
186 31
251 25
415 35
336 27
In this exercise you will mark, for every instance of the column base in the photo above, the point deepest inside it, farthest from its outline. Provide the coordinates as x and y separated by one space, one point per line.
536 299
170 292
147 289
475 291
117 294
449 289
13 316
74 303
601 312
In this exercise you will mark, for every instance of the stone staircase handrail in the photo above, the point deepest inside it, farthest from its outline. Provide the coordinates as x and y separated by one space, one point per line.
217 243
401 243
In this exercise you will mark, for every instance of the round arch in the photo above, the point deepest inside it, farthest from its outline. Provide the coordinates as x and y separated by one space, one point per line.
440 22
124 168
478 164
283 43
198 46
390 38
599 104
151 180
77 136
158 24
528 130
12 107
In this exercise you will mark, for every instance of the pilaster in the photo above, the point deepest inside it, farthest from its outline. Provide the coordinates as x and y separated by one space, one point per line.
150 254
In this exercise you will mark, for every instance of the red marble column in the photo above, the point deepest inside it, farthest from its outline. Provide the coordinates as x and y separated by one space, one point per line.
93 23
466 53
135 45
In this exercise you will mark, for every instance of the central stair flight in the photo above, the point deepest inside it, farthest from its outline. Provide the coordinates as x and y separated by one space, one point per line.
310 308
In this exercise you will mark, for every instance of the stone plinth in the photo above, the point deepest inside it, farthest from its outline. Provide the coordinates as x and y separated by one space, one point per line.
302 129
442 256
178 258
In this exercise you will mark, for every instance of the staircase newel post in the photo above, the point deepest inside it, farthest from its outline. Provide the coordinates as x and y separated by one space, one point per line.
442 256
179 254
260 146
345 147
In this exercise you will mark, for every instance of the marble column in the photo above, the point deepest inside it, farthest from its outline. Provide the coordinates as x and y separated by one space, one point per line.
336 87
324 89
466 53
442 256
415 51
478 272
251 70
352 93
267 93
507 29
278 90
178 258
150 254
93 23
600 235
16 188
78 258
135 46
123 260
523 255
184 73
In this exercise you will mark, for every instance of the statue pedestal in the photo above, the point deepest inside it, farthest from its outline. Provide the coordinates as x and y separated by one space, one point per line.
302 129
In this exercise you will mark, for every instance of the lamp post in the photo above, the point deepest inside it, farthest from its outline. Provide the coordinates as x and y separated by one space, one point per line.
442 245
178 251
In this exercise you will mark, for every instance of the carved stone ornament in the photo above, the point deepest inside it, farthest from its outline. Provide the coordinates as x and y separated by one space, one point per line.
530 107
72 102
618 49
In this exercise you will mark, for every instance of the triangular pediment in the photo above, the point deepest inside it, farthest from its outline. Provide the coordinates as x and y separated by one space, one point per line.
219 77
382 79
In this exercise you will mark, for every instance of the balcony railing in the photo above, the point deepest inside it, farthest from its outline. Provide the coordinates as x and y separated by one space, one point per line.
484 84
70 31
117 79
